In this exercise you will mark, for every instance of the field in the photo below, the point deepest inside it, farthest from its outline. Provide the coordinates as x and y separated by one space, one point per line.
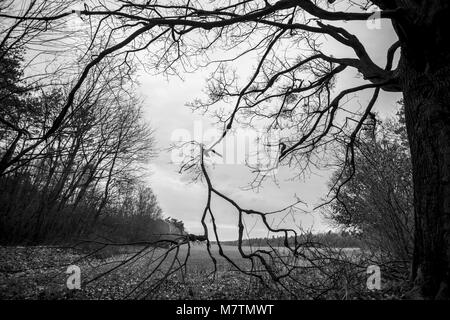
40 273
127 273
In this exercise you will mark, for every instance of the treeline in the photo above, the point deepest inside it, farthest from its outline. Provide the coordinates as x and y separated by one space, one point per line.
83 179
332 239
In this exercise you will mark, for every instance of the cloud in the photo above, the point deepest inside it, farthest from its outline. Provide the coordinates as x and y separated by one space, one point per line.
165 109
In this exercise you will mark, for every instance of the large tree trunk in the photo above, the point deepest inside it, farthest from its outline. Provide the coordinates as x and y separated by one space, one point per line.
424 73
427 108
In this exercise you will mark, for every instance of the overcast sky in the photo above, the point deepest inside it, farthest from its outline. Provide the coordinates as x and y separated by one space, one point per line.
165 108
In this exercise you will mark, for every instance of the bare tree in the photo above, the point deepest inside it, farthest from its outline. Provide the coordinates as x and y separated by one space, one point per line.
377 203
294 82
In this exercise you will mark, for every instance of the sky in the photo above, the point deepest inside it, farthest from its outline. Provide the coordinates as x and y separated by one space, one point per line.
165 108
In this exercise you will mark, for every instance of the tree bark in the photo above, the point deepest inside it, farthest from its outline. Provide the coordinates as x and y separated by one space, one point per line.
427 111
424 73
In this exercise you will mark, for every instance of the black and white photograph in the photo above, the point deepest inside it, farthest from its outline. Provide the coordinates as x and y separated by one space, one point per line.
241 152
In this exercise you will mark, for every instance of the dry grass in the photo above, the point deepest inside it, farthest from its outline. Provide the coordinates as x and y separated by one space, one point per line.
39 273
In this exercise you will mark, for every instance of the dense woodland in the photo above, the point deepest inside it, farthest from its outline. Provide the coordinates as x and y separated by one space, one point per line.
85 182
330 239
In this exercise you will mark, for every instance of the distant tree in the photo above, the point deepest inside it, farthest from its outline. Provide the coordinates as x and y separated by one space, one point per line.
13 103
72 180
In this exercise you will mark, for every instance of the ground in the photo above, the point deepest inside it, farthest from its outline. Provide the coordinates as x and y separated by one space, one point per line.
40 273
